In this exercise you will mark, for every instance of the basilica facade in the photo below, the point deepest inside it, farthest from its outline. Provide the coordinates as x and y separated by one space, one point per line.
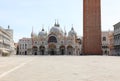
55 42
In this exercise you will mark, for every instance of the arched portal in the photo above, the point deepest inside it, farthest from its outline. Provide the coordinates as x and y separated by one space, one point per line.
25 52
42 50
69 50
34 50
62 50
52 49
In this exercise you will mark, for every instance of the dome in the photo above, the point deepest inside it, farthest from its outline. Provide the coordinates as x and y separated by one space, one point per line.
72 32
56 29
42 33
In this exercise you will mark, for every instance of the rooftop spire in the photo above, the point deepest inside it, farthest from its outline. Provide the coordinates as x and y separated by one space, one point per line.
56 23
32 32
42 27
65 31
72 27
8 26
32 36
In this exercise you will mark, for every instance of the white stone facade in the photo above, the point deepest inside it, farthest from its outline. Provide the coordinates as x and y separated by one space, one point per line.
55 42
6 41
107 42
117 39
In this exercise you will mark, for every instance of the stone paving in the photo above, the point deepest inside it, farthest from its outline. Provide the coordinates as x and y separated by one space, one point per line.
60 68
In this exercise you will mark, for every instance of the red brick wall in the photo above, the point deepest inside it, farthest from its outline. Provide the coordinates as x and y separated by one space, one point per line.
92 27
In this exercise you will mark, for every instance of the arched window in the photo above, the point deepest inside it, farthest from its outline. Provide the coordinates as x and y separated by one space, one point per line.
104 38
25 46
52 39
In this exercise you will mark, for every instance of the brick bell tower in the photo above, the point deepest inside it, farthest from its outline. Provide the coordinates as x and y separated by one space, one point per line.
92 27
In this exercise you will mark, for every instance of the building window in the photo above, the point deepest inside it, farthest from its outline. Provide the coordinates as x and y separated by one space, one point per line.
25 46
52 39
35 42
104 38
105 47
20 46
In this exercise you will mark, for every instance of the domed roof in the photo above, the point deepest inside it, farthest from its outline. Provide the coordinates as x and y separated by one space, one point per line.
42 33
72 32
56 29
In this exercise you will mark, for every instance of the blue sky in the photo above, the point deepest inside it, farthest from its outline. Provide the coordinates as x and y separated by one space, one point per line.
21 15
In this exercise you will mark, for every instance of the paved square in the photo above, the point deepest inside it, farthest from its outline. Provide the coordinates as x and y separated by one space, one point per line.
60 68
